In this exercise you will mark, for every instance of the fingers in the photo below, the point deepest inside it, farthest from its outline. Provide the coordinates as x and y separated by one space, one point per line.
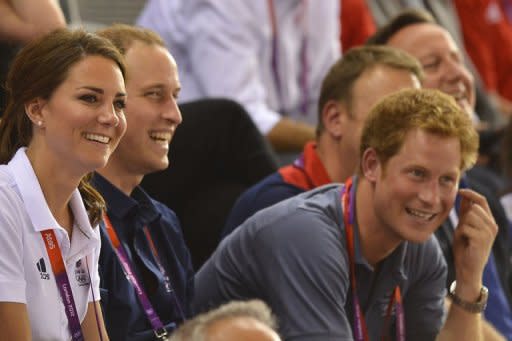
473 238
478 218
469 196
475 212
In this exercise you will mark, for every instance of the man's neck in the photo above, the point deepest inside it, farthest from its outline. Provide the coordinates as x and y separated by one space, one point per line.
332 159
377 241
124 181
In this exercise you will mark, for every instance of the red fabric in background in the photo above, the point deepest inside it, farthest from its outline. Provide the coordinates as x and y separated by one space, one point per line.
488 41
313 174
357 23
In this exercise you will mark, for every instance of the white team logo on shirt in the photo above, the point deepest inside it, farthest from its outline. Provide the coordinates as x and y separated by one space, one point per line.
81 274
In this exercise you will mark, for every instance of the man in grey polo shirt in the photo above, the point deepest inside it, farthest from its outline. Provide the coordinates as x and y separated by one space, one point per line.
297 255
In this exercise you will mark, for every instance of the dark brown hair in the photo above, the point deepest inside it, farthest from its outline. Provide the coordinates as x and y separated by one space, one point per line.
339 81
401 20
38 69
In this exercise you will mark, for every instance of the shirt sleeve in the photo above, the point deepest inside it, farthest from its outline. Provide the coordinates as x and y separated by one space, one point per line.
232 46
12 272
306 276
297 265
223 50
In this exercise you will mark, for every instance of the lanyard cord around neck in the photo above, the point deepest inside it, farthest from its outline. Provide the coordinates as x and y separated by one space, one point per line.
359 327
153 318
62 280
167 278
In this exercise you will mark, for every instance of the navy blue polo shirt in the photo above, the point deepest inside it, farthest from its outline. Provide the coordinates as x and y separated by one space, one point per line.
124 316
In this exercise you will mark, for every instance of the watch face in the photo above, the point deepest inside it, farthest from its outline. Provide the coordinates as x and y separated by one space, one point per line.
484 294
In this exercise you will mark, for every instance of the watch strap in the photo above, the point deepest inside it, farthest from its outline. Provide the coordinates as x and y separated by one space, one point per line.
472 307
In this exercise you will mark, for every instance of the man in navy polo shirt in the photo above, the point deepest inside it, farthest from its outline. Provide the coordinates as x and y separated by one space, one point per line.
351 87
145 267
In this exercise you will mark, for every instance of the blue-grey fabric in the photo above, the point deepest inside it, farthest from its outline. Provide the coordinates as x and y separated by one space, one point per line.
293 256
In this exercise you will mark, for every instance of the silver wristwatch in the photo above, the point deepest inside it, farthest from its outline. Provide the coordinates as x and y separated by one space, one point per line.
472 307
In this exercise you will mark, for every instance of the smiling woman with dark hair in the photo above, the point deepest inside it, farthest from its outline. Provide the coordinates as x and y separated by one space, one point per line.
63 120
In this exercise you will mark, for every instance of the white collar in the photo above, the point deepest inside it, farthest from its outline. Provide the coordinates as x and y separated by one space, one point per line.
35 203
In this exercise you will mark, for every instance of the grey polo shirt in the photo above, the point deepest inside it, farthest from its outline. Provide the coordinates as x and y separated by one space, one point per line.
293 256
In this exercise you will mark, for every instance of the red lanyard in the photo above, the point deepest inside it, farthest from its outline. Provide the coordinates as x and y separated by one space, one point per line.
360 330
61 277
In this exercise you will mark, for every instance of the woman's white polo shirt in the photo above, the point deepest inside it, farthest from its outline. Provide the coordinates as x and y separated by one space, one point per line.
25 271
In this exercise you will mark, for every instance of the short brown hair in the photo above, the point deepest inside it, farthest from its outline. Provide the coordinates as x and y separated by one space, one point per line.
123 36
339 81
38 69
430 110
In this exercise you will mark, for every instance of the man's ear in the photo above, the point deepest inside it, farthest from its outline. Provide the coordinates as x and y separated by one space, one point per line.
34 111
370 165
334 116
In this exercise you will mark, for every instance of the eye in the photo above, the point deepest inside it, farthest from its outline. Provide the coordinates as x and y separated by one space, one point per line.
120 104
448 180
431 65
417 172
156 95
89 98
176 95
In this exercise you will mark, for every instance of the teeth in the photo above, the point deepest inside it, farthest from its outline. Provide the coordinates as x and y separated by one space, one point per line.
161 136
420 214
97 138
